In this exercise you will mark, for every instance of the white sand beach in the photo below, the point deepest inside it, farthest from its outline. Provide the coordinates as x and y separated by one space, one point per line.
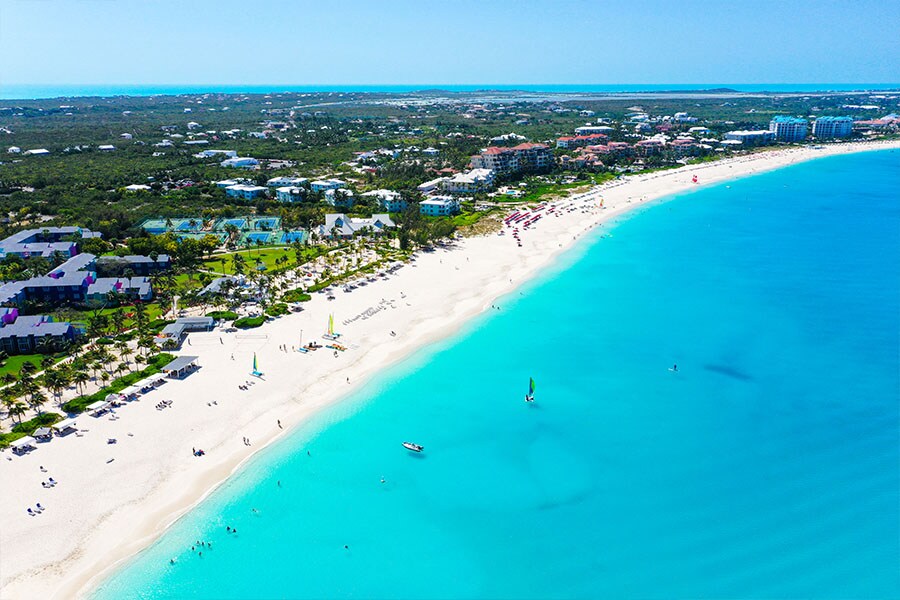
103 511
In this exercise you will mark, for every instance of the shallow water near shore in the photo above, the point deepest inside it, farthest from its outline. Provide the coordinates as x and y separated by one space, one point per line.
765 466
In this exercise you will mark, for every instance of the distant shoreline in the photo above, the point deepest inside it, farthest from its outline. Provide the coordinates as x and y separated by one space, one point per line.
31 92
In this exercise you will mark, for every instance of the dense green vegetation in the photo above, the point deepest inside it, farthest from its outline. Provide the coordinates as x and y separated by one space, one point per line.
223 315
250 322
79 184
296 295
154 366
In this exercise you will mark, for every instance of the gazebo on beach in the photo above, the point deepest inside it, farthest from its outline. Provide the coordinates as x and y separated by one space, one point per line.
22 445
181 367
97 408
65 426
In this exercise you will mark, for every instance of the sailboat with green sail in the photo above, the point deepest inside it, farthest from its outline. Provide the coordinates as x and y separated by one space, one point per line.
331 334
529 396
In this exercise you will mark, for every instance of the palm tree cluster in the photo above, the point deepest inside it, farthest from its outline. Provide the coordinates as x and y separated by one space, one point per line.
35 385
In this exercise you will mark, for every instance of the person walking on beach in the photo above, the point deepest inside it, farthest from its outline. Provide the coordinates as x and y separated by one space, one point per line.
279 424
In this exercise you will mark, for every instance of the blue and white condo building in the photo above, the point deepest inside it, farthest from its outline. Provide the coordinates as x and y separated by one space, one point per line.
789 129
832 127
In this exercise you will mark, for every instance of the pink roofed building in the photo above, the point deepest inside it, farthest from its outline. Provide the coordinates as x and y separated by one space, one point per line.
649 147
523 157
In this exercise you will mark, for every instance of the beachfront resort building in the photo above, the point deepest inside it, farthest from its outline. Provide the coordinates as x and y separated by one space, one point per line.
134 264
29 334
388 200
832 127
73 282
681 147
439 206
650 147
517 159
473 182
788 129
747 138
44 242
339 225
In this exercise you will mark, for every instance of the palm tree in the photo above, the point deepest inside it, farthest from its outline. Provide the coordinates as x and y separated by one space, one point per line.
79 378
125 353
16 410
56 380
26 369
36 400
9 378
118 320
47 361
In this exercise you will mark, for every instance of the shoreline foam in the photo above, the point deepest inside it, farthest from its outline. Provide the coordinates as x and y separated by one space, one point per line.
76 543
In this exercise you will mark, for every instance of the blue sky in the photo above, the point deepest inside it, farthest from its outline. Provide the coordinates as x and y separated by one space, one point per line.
453 42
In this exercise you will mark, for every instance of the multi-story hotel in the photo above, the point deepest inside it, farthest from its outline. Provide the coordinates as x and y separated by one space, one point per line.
830 127
524 157
748 138
789 129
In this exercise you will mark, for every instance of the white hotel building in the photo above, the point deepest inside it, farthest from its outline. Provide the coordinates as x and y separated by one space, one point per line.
832 127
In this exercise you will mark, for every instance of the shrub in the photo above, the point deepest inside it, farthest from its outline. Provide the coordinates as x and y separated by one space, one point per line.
297 295
250 322
104 341
156 325
223 315
28 427
278 309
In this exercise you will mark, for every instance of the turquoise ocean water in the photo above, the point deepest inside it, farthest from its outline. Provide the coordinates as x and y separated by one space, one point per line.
766 467
23 91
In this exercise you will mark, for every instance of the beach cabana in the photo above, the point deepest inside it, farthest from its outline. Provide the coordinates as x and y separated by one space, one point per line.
145 385
43 434
113 399
65 426
131 392
97 408
22 445
181 367
158 379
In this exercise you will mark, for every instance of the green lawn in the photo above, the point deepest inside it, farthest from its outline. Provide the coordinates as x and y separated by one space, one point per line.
152 310
267 254
466 219
14 363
